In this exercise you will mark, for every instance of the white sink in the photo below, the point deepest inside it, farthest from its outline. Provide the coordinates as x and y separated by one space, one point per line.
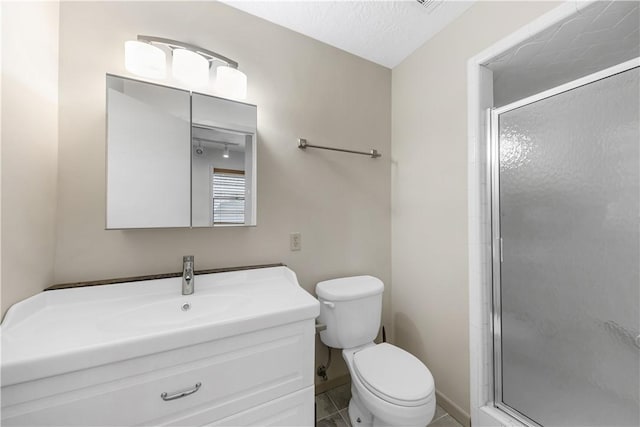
69 329
174 312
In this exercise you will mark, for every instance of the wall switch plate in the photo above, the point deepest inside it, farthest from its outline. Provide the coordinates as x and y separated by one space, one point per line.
295 241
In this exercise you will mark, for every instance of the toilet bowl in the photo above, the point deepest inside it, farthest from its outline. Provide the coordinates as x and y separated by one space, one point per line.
389 386
392 385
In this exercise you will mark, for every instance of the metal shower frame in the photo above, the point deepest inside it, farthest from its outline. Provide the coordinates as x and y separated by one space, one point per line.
493 160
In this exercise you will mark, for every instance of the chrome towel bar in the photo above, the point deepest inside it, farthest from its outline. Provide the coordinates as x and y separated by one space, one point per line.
302 143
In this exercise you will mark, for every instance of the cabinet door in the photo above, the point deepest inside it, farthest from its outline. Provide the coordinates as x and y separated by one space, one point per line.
148 155
263 377
223 163
294 409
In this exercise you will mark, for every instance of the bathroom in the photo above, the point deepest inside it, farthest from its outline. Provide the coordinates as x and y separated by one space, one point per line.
405 218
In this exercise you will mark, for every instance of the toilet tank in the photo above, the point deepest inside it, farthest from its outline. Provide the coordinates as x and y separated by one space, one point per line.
351 308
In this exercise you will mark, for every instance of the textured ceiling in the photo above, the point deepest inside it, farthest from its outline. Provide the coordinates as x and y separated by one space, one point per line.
601 35
384 32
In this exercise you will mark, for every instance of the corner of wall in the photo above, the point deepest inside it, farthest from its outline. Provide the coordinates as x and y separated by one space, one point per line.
29 147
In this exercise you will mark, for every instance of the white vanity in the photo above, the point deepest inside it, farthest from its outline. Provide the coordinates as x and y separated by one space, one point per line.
239 351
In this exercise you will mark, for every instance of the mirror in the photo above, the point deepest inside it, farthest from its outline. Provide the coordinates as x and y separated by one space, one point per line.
148 155
223 162
178 159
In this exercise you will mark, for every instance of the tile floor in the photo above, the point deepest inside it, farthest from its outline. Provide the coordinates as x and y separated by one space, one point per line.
331 410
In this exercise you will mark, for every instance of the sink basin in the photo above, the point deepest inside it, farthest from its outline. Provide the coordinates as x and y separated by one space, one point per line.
70 329
174 312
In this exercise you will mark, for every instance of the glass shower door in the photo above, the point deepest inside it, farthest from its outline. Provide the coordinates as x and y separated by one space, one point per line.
566 209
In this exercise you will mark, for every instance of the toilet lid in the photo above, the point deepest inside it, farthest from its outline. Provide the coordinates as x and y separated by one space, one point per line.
349 288
394 375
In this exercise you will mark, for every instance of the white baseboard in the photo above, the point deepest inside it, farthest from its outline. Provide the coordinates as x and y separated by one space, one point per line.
454 410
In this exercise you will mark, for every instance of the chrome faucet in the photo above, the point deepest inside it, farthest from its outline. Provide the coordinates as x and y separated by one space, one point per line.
187 275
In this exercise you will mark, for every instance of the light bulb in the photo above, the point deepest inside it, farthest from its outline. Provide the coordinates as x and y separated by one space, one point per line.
144 59
190 68
225 154
231 83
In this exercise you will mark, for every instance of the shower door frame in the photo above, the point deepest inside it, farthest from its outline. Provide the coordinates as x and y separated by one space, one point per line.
493 160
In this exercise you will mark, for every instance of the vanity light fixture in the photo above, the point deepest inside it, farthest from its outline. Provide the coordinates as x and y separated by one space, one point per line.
190 67
144 59
230 82
190 64
225 154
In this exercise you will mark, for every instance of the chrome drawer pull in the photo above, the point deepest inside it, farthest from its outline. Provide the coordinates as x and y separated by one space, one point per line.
179 394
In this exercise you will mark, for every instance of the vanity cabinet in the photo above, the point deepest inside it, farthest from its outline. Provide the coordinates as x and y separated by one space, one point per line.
260 378
241 353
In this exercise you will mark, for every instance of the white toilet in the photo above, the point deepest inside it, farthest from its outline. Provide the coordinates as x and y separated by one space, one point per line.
389 386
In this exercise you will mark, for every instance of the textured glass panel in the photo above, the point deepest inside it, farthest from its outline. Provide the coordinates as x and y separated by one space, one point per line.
569 212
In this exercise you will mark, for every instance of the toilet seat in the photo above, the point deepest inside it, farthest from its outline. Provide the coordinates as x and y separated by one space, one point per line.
394 375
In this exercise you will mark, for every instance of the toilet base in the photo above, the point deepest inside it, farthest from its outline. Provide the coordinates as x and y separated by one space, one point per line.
358 415
372 411
361 417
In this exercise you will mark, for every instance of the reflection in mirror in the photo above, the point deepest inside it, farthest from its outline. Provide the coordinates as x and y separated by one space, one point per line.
223 162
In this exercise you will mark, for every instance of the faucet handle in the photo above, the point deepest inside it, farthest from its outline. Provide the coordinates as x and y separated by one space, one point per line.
187 275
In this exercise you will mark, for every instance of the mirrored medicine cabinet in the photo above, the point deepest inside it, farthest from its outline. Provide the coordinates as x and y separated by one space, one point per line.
177 158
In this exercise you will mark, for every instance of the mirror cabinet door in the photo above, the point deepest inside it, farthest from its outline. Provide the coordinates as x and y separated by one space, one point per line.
223 162
148 155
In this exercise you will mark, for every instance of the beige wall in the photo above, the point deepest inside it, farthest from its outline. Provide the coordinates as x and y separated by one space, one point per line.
29 147
429 191
303 88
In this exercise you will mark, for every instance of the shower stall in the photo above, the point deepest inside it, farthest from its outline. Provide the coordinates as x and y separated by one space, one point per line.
554 221
566 281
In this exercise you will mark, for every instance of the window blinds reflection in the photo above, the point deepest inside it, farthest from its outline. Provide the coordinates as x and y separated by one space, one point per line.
228 196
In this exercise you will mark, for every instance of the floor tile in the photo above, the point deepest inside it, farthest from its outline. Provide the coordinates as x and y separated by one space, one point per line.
439 413
341 395
446 421
345 416
334 420
324 406
328 404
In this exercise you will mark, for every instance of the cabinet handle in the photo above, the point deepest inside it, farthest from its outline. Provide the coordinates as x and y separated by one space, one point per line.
178 394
